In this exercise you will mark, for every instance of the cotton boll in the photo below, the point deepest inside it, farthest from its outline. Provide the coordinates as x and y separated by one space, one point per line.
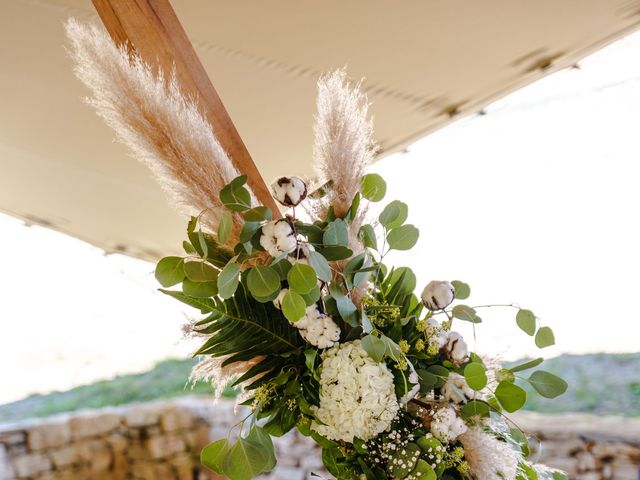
438 295
446 426
278 237
278 301
289 191
456 389
456 348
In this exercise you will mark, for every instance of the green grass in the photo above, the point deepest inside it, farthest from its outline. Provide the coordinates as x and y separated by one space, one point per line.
602 384
167 379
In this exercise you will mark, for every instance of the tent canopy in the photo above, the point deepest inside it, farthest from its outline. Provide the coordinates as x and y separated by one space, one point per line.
424 64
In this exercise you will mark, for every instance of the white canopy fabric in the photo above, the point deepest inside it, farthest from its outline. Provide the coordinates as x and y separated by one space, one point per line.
425 63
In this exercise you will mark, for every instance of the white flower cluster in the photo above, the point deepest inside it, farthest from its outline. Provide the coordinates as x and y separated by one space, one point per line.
446 426
278 237
357 395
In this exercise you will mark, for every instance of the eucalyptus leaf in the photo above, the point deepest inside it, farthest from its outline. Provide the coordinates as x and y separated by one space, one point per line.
374 347
526 320
394 214
373 187
547 384
545 337
228 280
510 396
403 238
335 252
235 197
293 306
466 313
224 227
336 234
475 375
258 435
320 265
245 460
199 289
257 214
462 290
170 271
263 281
198 271
367 236
475 408
188 248
249 229
302 278
527 365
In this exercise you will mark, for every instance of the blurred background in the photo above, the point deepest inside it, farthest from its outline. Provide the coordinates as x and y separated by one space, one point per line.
528 194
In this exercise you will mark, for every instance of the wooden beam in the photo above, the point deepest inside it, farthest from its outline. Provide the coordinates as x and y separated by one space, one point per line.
152 29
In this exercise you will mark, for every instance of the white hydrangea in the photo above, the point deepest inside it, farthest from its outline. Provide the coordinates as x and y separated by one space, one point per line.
289 191
446 426
278 237
357 395
456 389
317 328
438 295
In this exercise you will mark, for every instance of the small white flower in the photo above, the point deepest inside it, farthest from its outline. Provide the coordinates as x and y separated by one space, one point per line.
437 295
456 389
289 191
446 426
456 348
278 237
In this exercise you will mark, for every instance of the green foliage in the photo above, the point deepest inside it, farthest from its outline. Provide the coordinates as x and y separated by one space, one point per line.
526 320
547 384
199 271
373 187
263 282
394 214
228 280
235 197
403 238
302 278
224 227
466 313
293 306
545 337
510 396
170 271
462 290
476 376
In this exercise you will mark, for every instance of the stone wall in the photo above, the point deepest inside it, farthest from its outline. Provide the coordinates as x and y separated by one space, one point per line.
162 440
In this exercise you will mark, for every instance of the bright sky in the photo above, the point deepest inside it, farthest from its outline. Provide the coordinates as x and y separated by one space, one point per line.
535 202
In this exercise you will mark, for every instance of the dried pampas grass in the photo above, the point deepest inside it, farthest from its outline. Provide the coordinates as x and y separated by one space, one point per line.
343 132
150 115
211 369
488 457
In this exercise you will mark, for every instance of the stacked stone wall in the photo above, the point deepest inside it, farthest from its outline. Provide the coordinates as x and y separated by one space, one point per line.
162 440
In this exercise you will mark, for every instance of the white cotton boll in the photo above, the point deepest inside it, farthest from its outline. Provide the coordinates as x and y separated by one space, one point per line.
456 348
318 329
446 426
278 237
289 191
278 301
456 389
438 295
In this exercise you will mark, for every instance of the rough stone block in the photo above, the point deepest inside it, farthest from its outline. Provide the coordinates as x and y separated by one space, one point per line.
176 419
66 456
92 425
49 435
164 446
30 465
625 470
142 417
6 470
118 442
96 454
586 462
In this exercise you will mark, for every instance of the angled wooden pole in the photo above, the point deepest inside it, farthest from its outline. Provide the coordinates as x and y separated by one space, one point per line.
152 29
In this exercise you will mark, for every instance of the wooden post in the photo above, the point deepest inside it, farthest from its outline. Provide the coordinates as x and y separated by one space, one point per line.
152 29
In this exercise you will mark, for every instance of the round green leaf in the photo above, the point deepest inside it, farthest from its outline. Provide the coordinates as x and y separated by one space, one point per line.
199 289
170 271
526 320
462 290
336 234
547 384
302 278
224 227
367 236
476 376
257 214
197 271
312 297
475 408
466 313
213 455
228 280
258 435
373 187
545 337
394 214
403 238
263 281
374 347
510 396
320 265
293 306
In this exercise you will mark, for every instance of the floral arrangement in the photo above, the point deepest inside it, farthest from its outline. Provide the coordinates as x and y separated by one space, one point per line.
300 311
